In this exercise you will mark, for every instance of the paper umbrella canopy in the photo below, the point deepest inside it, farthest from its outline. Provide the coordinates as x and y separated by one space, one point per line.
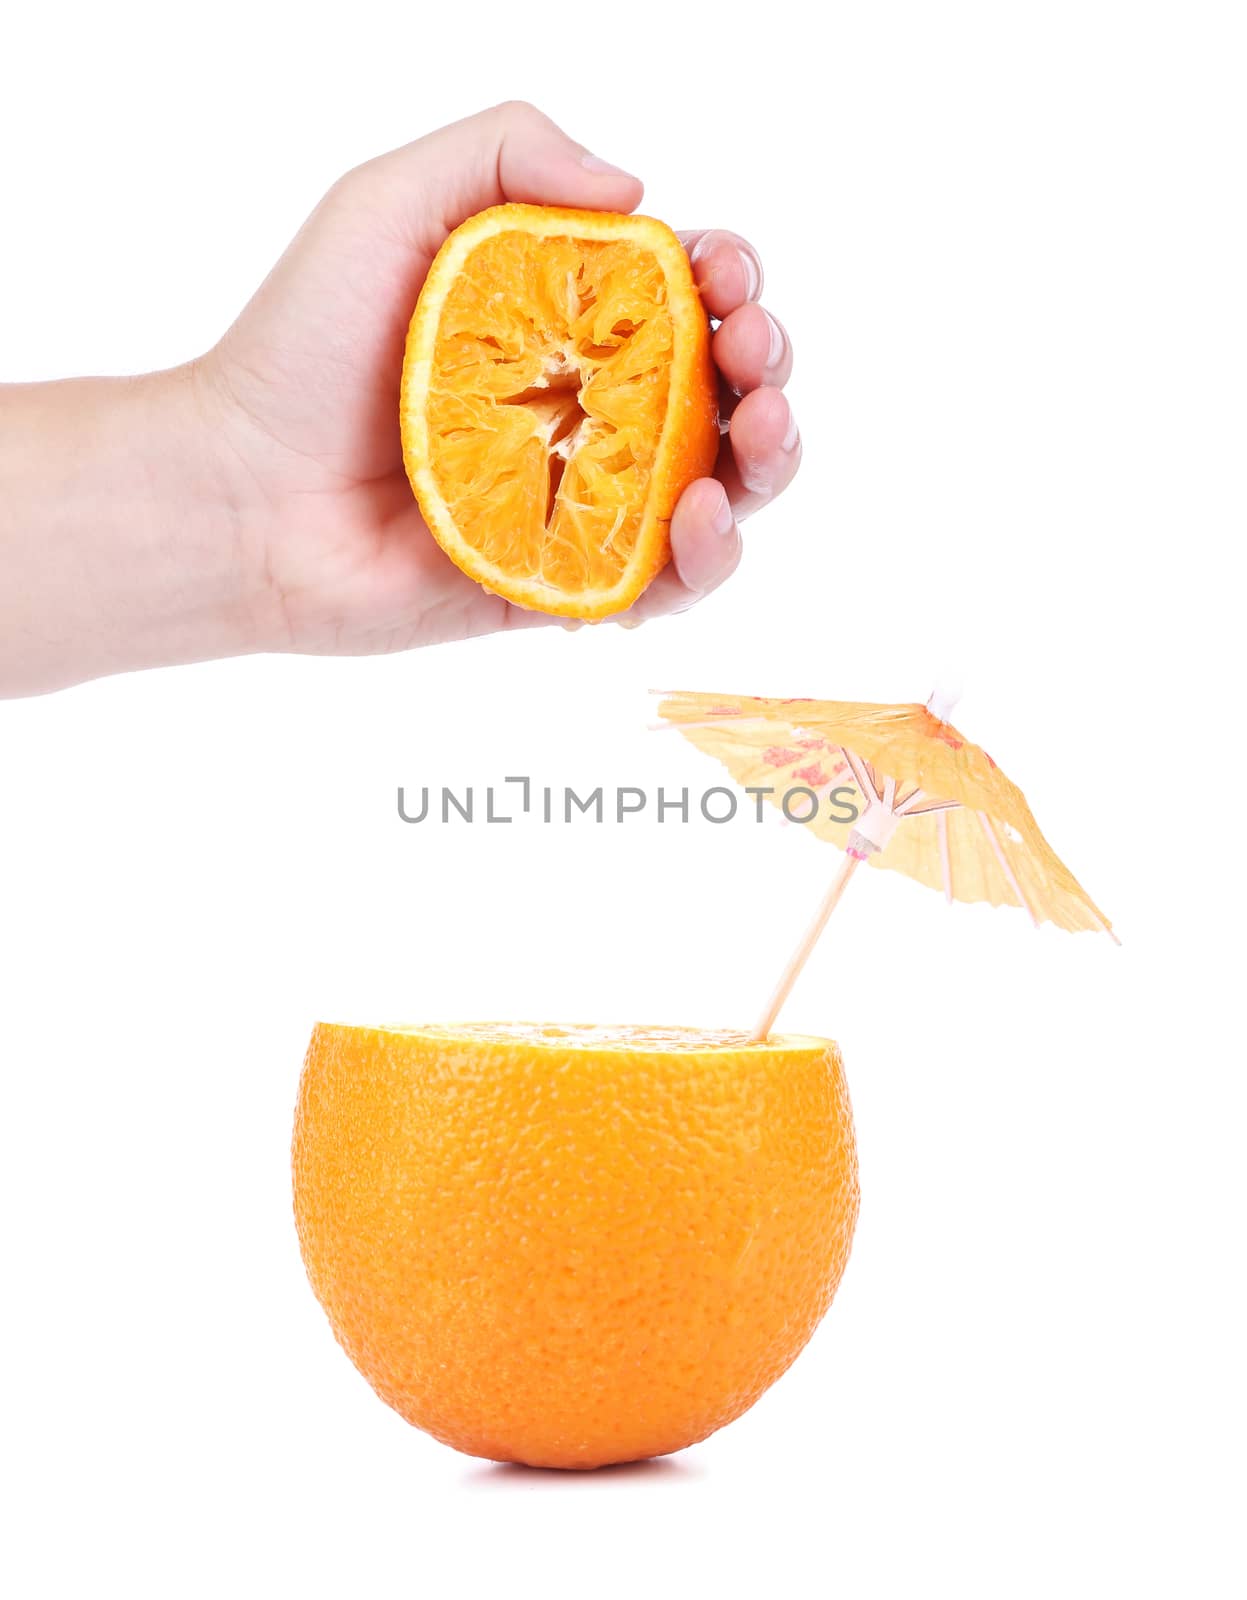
914 796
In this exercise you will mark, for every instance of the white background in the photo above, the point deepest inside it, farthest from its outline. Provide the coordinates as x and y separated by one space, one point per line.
1008 243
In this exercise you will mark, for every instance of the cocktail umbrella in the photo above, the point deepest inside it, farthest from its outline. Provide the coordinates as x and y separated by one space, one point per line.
895 786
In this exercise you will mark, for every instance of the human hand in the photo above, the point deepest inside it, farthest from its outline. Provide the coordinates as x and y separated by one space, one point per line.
302 394
255 499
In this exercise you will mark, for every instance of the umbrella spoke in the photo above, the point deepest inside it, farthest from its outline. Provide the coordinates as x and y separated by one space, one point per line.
1010 876
941 833
1107 929
914 809
861 772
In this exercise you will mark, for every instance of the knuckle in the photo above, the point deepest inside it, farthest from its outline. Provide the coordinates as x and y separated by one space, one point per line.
343 192
518 113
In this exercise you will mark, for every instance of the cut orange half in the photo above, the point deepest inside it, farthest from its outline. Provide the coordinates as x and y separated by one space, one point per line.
558 395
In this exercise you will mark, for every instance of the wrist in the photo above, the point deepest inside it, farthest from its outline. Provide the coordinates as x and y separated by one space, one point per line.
121 542
208 561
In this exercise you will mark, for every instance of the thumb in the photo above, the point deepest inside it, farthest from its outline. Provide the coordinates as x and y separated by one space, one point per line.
510 152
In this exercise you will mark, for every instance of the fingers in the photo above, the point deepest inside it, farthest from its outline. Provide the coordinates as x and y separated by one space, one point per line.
510 152
705 550
705 541
757 461
760 453
726 269
751 349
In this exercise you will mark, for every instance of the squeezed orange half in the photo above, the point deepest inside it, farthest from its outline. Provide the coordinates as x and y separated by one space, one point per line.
558 395
570 1246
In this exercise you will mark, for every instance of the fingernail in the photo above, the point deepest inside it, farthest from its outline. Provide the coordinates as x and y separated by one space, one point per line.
753 275
775 352
791 435
606 169
721 522
756 476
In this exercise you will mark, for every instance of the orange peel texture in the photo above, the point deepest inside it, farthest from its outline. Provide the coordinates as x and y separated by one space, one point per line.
572 1246
558 395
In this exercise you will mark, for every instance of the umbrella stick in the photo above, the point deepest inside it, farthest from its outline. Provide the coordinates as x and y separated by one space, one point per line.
802 953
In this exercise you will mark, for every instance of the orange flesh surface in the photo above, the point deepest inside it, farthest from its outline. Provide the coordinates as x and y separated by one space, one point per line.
586 1035
544 431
